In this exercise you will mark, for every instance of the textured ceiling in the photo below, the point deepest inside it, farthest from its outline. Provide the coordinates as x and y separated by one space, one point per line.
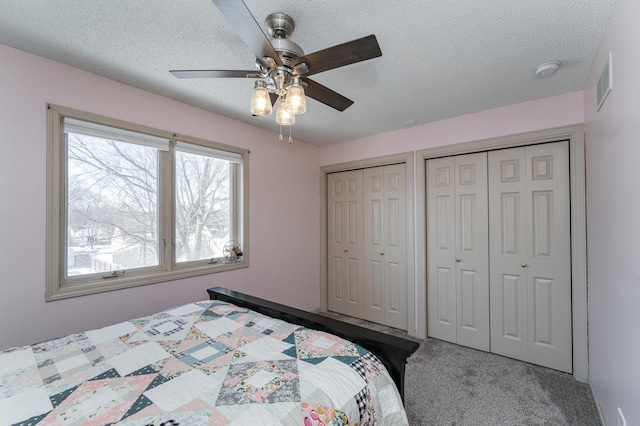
440 58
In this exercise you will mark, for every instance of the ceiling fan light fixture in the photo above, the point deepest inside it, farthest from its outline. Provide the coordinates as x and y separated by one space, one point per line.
282 65
284 117
296 102
260 100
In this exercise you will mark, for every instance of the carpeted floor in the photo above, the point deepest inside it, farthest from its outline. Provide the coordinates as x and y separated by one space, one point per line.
447 384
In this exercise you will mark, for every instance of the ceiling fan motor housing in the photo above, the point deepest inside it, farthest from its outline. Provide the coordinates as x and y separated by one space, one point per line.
287 50
280 27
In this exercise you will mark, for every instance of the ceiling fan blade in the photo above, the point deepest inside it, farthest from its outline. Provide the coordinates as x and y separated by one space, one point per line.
215 74
340 55
325 95
248 28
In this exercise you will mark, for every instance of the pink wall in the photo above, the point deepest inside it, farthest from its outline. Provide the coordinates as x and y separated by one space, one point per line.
547 113
284 191
284 203
613 220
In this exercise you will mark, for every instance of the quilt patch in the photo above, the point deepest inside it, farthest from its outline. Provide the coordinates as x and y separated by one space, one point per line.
319 415
311 344
261 382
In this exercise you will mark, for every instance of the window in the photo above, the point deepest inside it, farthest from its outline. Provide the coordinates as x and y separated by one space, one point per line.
130 205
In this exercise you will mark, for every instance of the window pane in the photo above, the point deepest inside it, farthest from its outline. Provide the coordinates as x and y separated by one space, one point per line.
112 205
203 207
126 197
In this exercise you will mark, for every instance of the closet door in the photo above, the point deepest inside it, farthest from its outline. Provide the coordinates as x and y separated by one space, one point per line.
508 224
345 245
457 266
530 254
385 266
441 252
472 257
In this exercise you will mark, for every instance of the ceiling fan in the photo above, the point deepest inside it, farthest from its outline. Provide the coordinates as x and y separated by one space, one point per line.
281 64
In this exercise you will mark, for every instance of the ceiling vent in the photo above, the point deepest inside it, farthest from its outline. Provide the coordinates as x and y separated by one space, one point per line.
604 83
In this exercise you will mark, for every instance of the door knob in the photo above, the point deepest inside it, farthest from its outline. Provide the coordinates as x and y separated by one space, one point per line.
346 250
458 259
524 265
382 254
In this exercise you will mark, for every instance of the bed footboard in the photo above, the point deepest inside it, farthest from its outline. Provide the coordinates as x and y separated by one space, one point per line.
392 351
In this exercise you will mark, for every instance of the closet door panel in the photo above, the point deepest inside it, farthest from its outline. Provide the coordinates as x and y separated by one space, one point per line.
441 279
468 314
549 256
335 215
531 255
385 277
512 306
336 280
395 300
542 304
507 253
345 229
509 319
472 262
442 305
394 254
374 274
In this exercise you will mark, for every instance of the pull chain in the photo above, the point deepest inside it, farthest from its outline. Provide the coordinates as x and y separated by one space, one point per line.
281 138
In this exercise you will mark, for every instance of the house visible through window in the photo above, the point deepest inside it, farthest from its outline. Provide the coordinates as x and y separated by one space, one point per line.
130 205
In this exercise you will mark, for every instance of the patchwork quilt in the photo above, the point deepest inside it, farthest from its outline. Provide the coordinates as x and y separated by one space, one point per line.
205 363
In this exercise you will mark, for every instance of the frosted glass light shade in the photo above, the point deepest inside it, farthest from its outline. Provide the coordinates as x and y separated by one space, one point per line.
296 102
284 117
260 100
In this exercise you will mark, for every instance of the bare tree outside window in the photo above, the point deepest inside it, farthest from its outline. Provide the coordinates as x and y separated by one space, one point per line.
112 205
202 206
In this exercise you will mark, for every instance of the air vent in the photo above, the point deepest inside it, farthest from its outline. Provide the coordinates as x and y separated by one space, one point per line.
605 83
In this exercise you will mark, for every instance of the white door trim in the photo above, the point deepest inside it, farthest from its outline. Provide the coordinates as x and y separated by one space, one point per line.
575 136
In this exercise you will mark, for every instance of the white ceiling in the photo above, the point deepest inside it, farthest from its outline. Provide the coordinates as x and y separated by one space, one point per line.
440 58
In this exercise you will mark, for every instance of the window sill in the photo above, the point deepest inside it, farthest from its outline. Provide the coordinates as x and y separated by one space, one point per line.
66 290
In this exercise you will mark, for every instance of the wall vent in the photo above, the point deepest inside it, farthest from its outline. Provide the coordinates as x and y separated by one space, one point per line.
605 83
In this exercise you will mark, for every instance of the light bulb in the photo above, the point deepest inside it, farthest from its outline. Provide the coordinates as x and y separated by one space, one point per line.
284 117
296 102
260 100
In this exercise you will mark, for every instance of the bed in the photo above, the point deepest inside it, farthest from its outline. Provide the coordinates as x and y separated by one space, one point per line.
231 360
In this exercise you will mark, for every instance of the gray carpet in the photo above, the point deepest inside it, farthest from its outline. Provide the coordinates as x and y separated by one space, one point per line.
447 384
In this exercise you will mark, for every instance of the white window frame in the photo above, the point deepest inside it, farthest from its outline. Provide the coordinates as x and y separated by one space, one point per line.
58 287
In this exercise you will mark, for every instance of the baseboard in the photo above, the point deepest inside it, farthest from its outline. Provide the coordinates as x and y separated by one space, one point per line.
595 399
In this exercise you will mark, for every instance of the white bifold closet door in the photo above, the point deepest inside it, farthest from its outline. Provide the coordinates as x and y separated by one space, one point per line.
457 241
385 248
530 259
367 244
345 281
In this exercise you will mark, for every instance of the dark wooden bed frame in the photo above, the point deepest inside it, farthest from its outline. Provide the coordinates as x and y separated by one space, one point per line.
392 351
